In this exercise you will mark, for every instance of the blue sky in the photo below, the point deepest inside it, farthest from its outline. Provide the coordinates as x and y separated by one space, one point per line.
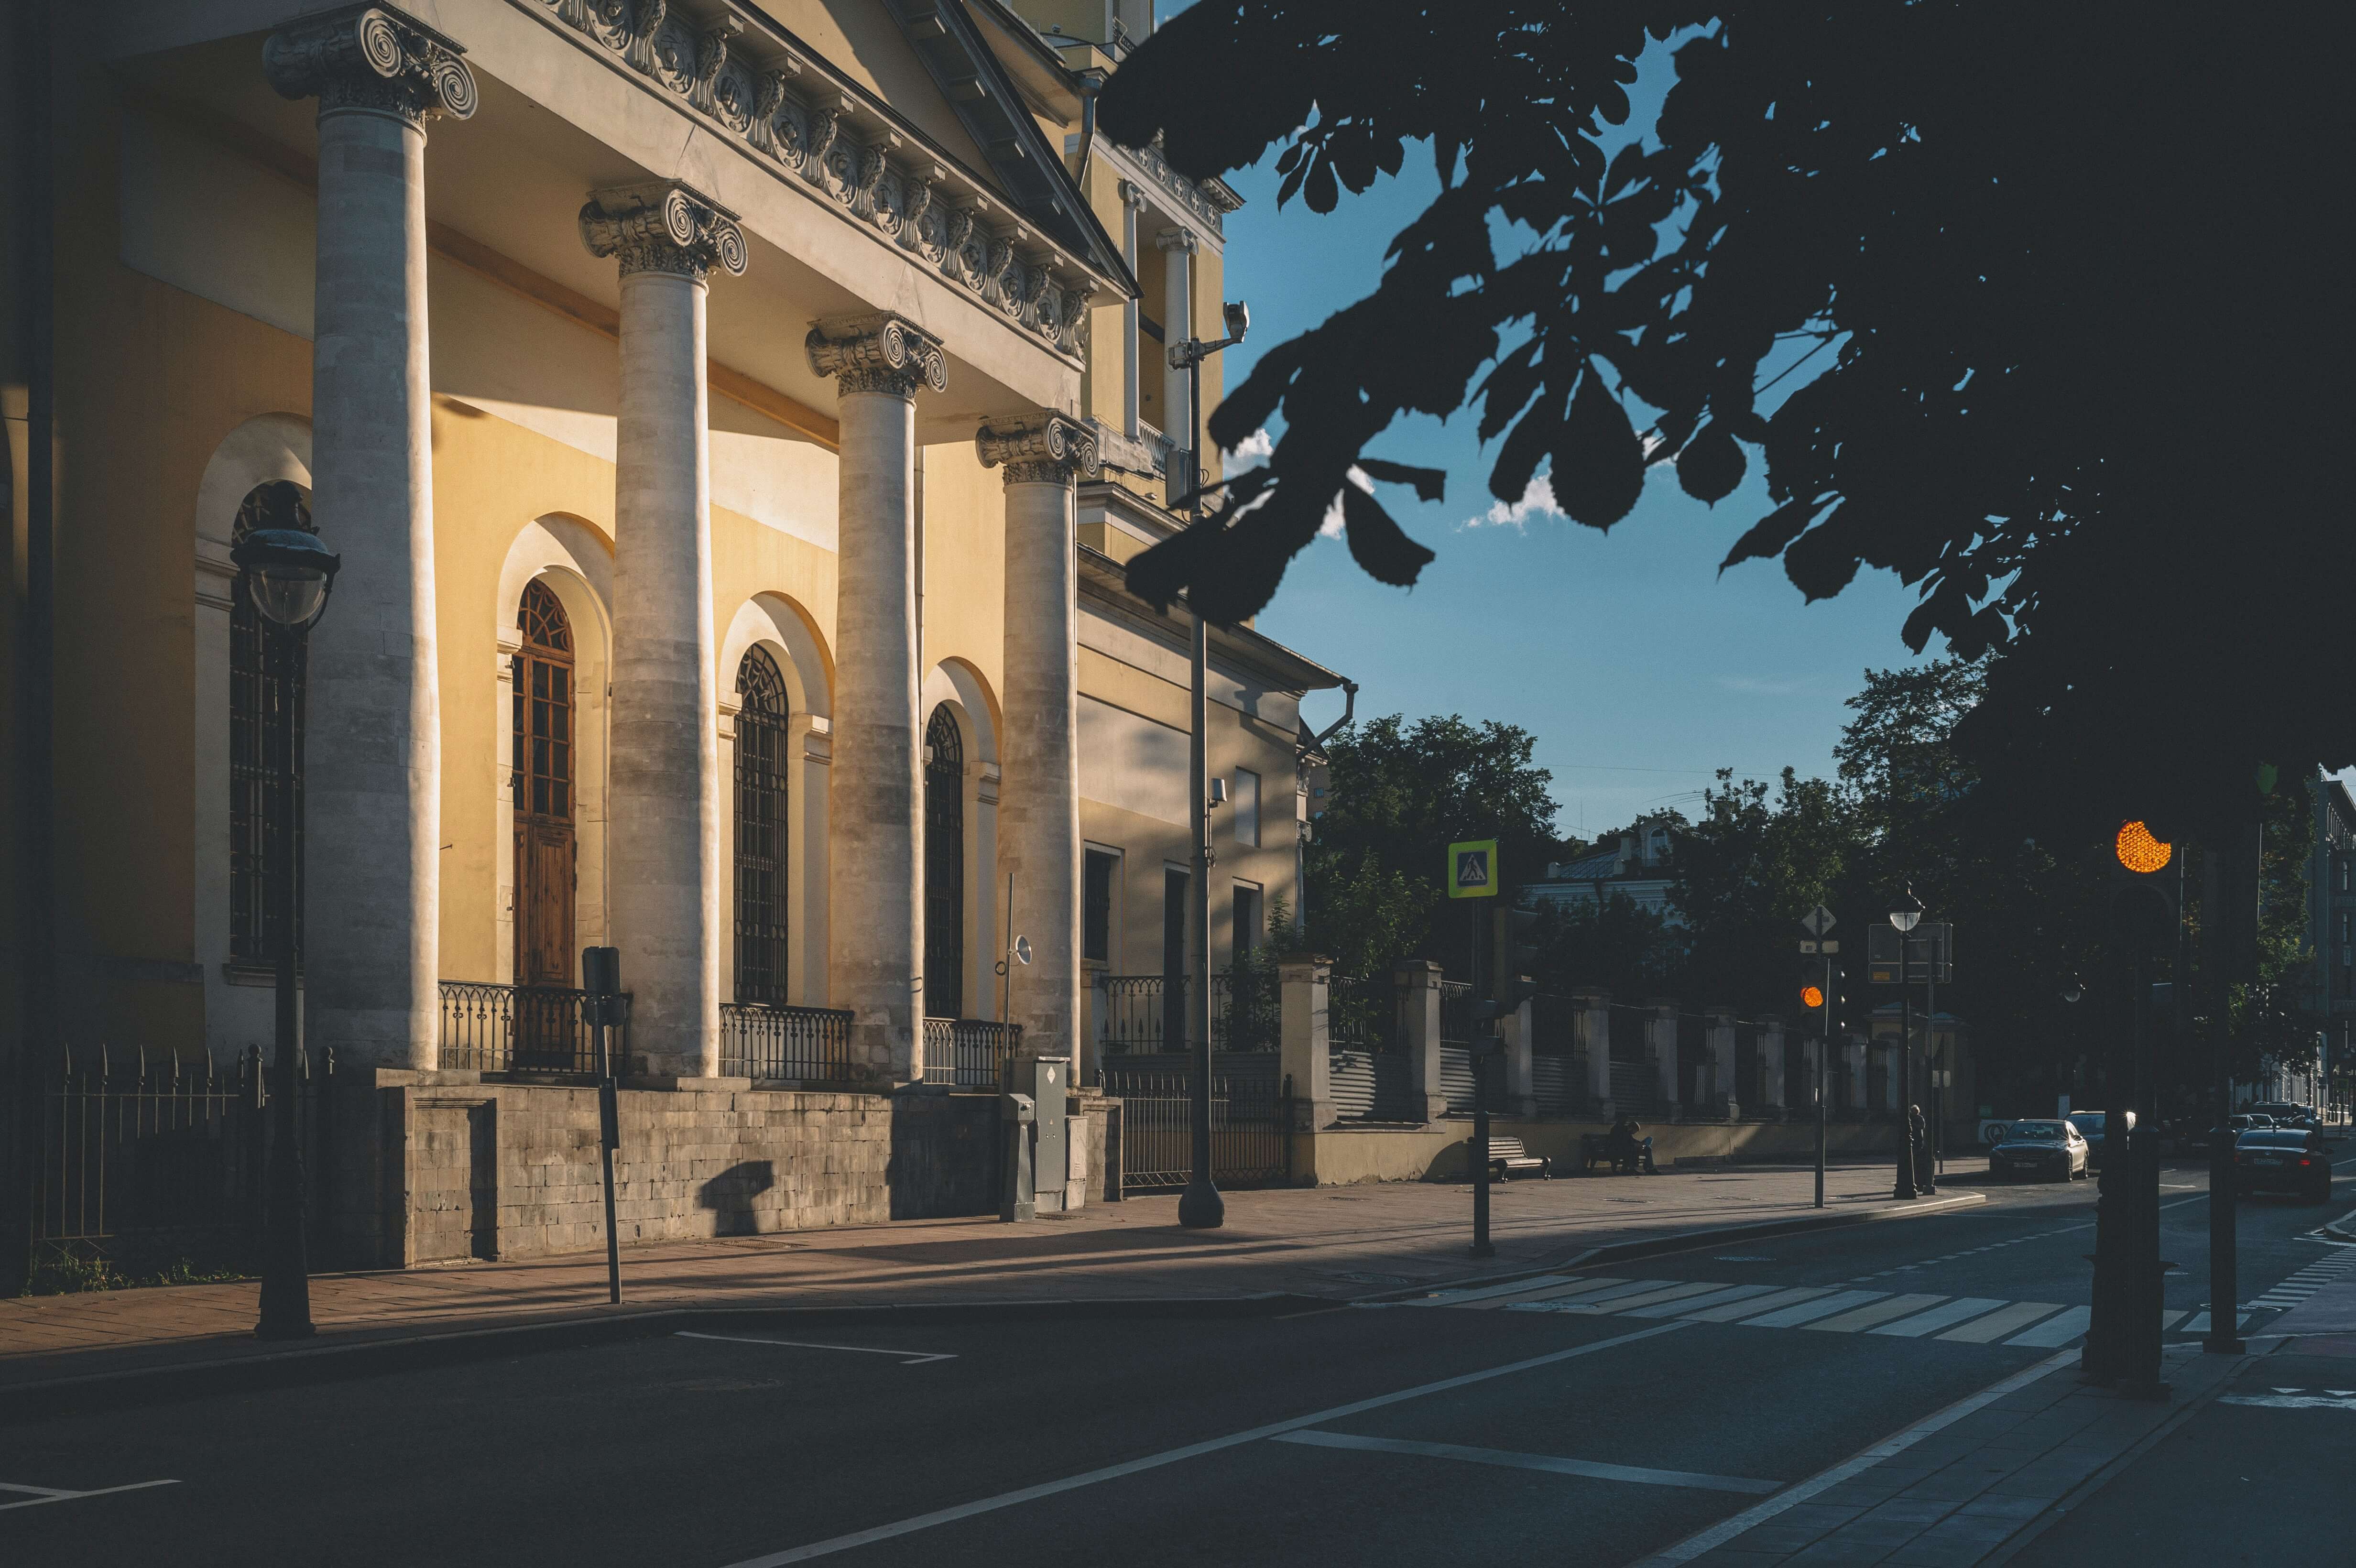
1637 667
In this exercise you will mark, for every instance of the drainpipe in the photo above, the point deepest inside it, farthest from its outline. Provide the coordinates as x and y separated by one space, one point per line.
36 692
1087 84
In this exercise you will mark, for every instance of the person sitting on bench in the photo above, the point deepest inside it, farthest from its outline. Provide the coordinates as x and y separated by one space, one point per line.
1628 1151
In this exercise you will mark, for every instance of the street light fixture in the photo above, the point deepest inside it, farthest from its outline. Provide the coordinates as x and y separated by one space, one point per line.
1200 1207
1905 914
288 576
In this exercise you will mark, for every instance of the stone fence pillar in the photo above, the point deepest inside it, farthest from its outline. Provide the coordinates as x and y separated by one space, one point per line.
1419 978
1859 1080
1305 1054
1717 1044
1595 1042
1771 1065
1661 1038
1521 1076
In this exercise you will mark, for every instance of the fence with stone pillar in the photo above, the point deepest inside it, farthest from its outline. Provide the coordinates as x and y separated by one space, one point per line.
1305 1046
1420 983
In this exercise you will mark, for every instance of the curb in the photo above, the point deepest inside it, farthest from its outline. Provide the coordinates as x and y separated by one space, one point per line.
1683 1241
133 1387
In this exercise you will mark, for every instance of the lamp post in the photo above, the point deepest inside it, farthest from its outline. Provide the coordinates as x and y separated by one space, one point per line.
288 575
1200 1207
1905 915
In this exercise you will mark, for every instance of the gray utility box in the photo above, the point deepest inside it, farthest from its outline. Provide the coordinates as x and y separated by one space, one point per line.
1048 1081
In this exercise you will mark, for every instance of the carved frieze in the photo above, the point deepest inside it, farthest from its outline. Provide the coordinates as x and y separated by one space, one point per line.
880 353
1042 448
663 227
373 57
821 142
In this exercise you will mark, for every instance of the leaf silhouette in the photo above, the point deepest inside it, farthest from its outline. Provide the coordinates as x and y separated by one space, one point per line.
1599 468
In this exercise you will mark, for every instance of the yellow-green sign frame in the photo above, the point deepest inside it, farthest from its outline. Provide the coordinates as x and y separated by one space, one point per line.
1472 869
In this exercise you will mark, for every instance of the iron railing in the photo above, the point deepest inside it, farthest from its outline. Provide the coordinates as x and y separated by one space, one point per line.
1363 1015
969 1053
764 1041
137 1160
1250 1116
1246 1012
1457 1024
491 1028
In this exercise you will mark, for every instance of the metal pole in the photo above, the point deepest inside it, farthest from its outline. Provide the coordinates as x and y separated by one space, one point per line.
285 1269
1481 1247
1824 1048
1905 1185
2224 1337
1938 1095
1200 1207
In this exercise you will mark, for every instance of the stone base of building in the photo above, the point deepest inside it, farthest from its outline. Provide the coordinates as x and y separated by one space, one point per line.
437 1168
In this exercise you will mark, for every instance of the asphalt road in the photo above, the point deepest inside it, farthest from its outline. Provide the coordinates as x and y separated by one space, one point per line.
1357 1435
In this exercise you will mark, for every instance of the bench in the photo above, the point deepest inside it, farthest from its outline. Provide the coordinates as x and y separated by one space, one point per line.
1507 1156
1595 1148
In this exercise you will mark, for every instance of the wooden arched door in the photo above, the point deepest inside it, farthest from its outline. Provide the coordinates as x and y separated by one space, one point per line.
545 848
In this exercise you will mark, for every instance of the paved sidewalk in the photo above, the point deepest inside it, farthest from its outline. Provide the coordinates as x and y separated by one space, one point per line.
1333 1242
1964 1485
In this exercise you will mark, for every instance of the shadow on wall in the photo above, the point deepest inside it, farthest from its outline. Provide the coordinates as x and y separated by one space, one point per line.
945 1152
732 1195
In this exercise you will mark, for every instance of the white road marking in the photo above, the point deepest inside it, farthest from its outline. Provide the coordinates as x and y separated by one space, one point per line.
1533 1462
57 1495
1726 1529
2289 1402
2058 1330
1868 1316
1173 1456
1997 1324
908 1358
1954 1312
1809 1311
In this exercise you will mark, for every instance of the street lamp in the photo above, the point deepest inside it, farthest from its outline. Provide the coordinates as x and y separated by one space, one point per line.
288 575
1905 915
1200 1207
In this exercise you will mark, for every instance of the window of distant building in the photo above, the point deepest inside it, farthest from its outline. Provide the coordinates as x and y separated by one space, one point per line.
761 803
1095 905
1244 803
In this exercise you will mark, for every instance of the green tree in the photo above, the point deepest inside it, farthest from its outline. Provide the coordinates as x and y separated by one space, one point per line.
1401 794
1747 871
2087 446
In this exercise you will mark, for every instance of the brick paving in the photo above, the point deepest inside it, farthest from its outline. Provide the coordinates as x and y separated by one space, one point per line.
1336 1242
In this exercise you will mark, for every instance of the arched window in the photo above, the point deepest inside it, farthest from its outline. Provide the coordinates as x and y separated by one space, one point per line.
255 695
545 839
943 866
761 785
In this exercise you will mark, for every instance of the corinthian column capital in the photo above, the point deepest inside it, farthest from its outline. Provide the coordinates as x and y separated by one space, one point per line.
1040 448
663 227
880 353
371 58
1184 242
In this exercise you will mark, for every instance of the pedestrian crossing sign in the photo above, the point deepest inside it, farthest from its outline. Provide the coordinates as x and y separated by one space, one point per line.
1472 869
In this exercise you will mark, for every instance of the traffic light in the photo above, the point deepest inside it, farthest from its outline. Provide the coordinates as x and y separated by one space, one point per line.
1812 994
2144 881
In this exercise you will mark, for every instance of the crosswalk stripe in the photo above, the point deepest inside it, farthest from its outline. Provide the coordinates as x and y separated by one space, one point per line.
1809 1311
1677 1292
2169 1320
1476 1293
2019 1315
1879 1312
1732 1293
1548 1290
1954 1312
1597 1299
2058 1330
2199 1323
1727 1314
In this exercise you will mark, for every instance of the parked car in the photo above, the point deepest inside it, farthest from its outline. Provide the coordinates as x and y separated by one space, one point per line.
2283 1159
2054 1151
2284 1113
2248 1120
2090 1127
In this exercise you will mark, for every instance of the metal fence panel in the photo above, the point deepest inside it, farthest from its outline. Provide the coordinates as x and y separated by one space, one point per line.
809 1045
492 1027
1251 1118
969 1053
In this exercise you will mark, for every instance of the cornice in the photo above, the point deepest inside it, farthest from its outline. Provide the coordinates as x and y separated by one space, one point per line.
787 110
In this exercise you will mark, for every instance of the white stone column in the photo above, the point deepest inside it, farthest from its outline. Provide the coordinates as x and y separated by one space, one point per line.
1521 1096
1717 1044
1132 201
1661 1035
1770 1066
373 781
1039 786
875 935
1859 1078
1178 247
664 830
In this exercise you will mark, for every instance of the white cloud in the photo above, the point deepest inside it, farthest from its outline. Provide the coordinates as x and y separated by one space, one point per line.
1258 445
1538 500
1756 686
1331 528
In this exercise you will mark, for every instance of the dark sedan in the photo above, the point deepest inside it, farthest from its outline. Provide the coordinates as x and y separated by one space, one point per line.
2051 1150
2283 1159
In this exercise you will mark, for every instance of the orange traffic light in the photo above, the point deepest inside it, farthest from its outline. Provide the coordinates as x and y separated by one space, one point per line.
1812 997
2141 853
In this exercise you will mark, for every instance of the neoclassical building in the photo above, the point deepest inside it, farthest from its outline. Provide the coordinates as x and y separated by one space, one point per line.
733 417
